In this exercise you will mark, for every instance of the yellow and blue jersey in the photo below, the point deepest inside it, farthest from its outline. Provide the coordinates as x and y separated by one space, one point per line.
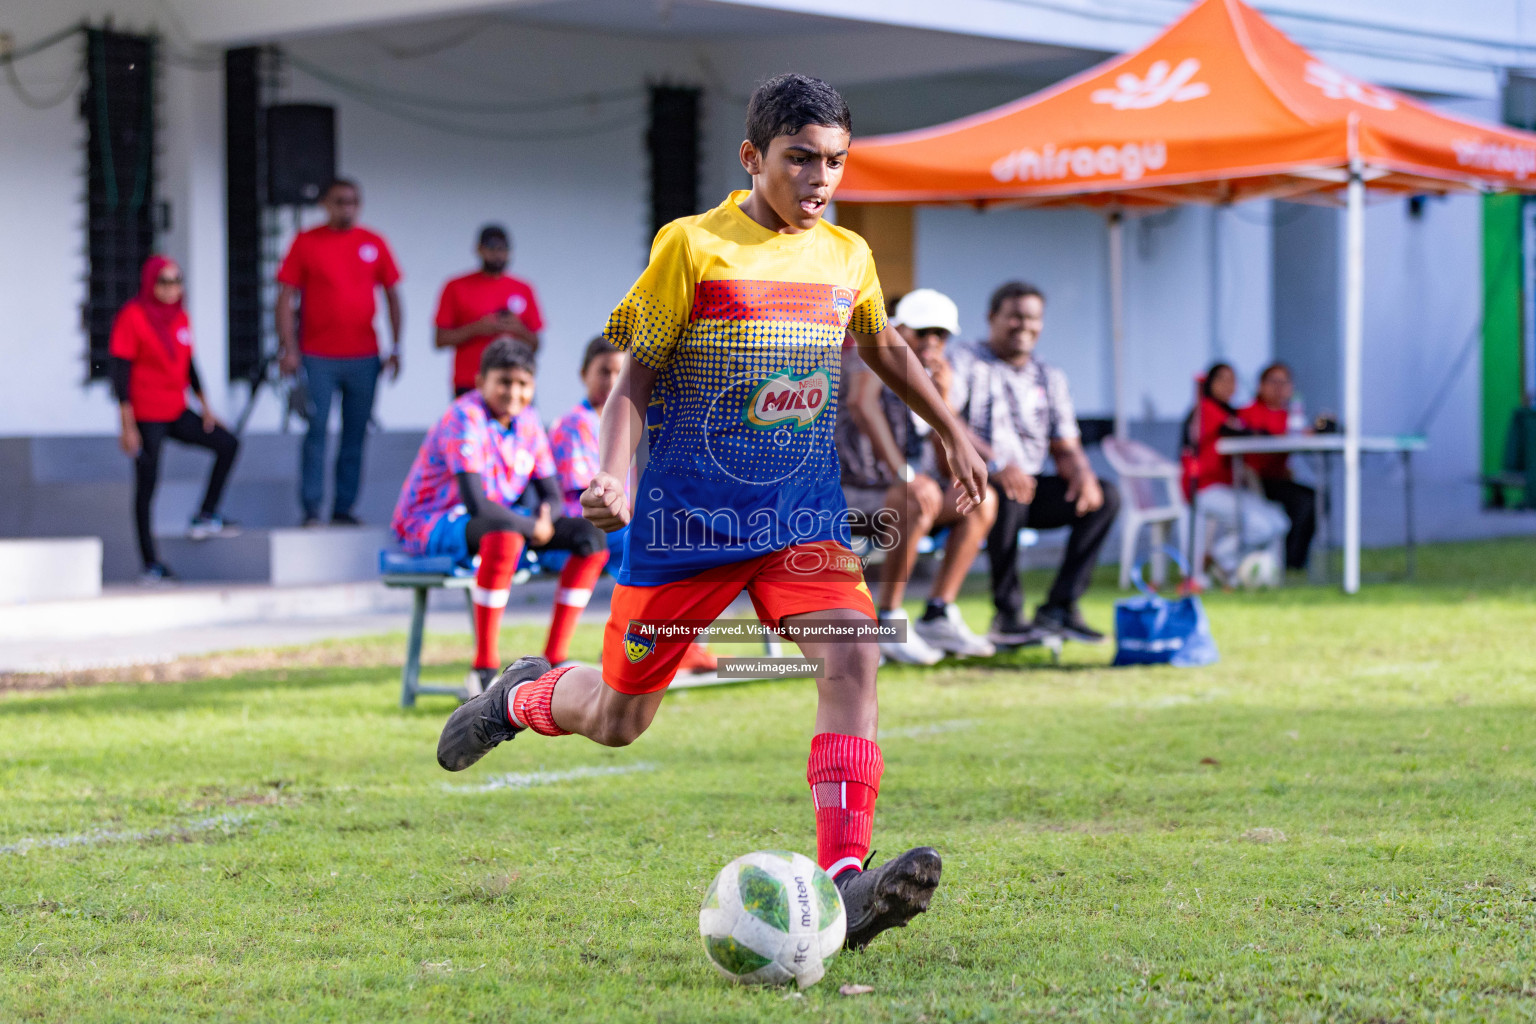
744 327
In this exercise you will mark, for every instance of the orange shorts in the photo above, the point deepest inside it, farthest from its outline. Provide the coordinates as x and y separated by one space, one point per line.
804 578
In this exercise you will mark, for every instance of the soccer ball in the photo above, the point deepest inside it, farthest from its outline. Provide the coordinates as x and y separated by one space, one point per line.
770 918
1258 570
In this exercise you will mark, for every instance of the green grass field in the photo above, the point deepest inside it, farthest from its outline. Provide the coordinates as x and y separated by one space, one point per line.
1335 823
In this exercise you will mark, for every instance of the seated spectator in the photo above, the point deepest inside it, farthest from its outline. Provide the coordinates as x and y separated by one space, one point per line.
1209 478
151 368
457 501
573 439
891 481
1270 413
1020 410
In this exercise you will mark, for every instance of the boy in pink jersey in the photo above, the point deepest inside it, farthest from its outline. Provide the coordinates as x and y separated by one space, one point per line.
457 501
573 439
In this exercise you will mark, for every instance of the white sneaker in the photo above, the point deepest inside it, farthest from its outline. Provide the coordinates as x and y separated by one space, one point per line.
952 634
912 651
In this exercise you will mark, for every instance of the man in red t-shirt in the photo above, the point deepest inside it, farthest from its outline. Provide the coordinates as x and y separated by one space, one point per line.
333 270
478 308
1270 414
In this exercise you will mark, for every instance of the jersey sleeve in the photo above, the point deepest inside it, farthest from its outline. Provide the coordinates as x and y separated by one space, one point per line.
388 273
291 273
575 460
869 309
562 445
457 445
448 307
543 458
124 342
651 317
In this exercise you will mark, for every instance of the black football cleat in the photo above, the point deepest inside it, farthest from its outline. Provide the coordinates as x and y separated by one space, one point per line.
888 896
1066 622
481 722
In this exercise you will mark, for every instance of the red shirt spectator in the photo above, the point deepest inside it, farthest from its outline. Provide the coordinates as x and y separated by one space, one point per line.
477 296
1265 420
337 272
155 338
1212 421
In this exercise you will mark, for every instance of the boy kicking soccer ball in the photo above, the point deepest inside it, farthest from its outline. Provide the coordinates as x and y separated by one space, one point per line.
733 336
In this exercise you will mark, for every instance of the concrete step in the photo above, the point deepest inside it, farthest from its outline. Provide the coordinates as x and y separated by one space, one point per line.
283 557
49 569
123 611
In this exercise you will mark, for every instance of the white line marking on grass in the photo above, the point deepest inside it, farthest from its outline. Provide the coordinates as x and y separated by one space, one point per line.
97 836
1168 700
933 728
527 780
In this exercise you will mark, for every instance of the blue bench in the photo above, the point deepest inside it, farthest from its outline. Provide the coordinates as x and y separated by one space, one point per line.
421 575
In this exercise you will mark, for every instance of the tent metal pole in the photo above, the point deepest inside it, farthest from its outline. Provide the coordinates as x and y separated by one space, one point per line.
1117 316
1354 343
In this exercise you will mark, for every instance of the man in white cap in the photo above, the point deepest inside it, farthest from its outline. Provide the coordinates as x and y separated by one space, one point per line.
898 489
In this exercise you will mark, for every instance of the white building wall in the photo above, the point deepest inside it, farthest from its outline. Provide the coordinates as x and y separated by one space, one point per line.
578 207
575 207
43 264
1179 316
1198 282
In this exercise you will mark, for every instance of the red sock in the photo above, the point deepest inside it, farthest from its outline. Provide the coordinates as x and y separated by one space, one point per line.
845 780
530 704
576 582
499 553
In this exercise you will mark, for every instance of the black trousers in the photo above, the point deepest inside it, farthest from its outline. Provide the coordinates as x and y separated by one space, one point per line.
1049 510
572 533
1300 504
188 429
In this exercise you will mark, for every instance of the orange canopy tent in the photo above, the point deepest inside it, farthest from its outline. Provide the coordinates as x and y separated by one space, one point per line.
1220 108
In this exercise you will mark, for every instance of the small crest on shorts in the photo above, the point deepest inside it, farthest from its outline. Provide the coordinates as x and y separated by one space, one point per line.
639 640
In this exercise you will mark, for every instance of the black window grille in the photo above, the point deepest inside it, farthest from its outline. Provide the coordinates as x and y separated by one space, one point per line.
673 144
118 107
243 209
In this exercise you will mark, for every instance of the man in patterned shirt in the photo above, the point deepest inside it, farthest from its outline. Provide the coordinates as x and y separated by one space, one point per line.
1020 410
457 501
735 332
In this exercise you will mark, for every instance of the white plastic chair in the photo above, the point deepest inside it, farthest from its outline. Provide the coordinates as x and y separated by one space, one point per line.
1230 511
1151 495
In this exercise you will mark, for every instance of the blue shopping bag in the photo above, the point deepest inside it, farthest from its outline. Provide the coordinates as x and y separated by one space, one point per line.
1152 630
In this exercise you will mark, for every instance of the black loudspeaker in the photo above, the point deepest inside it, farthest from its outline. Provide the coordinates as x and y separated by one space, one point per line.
301 152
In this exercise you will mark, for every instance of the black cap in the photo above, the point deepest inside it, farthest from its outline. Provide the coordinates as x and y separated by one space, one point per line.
493 233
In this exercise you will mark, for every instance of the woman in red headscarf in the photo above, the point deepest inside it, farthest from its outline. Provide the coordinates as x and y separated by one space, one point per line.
151 368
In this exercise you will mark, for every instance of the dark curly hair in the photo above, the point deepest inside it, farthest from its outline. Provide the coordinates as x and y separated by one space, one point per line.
508 354
787 103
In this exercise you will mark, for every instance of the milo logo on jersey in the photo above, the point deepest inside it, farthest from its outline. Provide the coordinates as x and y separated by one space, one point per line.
790 399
